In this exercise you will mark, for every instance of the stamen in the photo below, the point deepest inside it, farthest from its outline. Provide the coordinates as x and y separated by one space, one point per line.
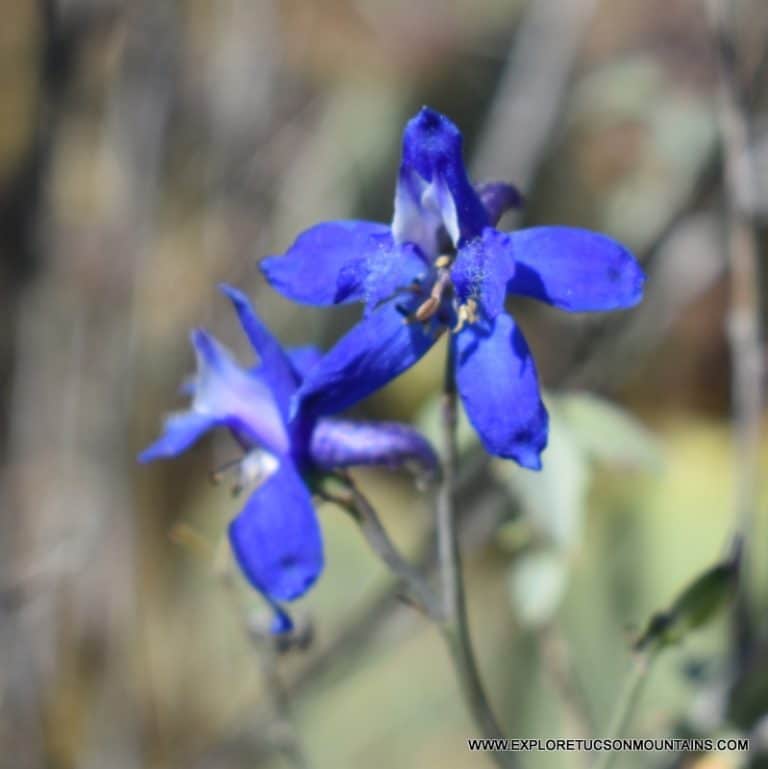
217 475
467 314
250 471
426 310
431 305
443 261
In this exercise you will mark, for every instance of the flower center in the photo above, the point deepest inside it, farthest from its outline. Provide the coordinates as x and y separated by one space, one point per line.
443 291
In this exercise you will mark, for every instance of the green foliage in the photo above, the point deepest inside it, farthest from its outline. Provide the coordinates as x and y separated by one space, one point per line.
697 605
584 429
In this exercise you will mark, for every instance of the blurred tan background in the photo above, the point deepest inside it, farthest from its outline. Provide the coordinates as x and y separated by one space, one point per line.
148 151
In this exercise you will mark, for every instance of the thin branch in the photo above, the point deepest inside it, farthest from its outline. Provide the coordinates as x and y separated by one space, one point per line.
455 626
558 665
744 313
743 321
281 730
627 703
419 593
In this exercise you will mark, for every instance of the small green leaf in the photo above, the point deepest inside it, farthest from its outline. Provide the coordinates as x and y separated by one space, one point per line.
697 605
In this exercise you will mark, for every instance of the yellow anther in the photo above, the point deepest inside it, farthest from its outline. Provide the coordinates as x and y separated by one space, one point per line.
467 314
427 309
443 261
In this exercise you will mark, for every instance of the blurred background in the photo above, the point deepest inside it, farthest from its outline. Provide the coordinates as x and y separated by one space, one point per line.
149 150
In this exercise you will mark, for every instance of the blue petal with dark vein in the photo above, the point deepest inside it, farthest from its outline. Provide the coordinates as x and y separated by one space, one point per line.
575 269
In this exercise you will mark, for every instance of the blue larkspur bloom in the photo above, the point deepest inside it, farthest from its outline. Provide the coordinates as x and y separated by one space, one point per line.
276 537
441 265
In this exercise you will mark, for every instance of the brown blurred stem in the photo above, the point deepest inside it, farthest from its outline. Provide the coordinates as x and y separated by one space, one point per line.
743 319
558 665
455 624
448 609
628 700
281 730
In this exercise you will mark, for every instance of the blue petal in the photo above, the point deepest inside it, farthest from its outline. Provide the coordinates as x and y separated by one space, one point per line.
433 191
305 358
326 264
375 351
391 268
575 269
236 397
276 538
180 432
343 443
497 381
498 198
281 621
482 269
276 367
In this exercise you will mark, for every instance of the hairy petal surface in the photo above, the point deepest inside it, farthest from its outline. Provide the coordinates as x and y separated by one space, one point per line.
482 269
372 353
575 269
344 443
276 537
497 380
326 264
391 269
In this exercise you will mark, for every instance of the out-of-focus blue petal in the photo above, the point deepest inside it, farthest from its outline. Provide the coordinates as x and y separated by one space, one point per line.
281 620
303 359
180 432
575 269
371 354
276 537
481 271
497 381
276 368
343 443
433 191
326 264
498 198
234 396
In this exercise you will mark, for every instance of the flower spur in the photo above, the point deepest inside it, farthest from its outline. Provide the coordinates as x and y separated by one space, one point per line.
442 266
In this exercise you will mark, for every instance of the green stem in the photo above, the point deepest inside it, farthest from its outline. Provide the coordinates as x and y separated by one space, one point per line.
455 625
628 701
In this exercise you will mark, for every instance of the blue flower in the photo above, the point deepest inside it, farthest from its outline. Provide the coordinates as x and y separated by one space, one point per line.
441 265
276 537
